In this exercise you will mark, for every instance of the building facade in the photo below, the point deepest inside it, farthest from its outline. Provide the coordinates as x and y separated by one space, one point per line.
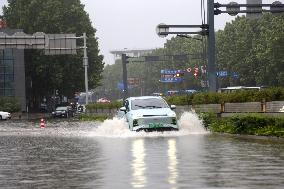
12 72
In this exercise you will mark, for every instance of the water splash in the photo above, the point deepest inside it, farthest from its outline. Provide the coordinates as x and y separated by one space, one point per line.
190 123
116 127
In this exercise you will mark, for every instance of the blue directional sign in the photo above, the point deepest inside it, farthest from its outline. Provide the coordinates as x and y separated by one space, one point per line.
235 75
171 76
222 74
171 79
172 72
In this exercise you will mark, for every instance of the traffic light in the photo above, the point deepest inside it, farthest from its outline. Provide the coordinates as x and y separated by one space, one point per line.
196 72
179 75
124 59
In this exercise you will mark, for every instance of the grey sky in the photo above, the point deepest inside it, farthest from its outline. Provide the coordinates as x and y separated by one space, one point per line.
131 23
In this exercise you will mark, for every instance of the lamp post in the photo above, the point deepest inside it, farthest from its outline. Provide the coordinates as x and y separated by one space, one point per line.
85 64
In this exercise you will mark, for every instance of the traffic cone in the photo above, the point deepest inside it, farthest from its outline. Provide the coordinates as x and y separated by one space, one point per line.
42 124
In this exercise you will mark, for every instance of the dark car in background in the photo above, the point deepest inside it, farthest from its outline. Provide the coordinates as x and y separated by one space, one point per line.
63 111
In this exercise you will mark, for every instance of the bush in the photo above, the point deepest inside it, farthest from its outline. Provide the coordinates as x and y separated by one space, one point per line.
85 117
270 94
252 124
9 104
110 105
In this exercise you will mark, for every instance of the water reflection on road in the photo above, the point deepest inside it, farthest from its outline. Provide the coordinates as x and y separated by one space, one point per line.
81 155
138 164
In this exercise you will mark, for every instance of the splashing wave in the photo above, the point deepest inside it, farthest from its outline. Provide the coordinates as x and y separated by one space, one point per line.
189 124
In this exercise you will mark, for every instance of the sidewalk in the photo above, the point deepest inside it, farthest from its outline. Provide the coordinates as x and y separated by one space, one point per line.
29 116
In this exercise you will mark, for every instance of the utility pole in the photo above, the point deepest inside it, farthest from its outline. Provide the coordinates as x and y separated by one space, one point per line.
211 47
124 72
85 64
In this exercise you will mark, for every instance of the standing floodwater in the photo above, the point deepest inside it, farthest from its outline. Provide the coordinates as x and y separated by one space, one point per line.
107 155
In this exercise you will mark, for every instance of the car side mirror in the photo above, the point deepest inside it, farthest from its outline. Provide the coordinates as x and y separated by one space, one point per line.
122 109
173 107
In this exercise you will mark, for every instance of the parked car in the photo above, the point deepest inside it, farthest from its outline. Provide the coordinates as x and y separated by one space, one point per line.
63 111
103 100
149 113
5 115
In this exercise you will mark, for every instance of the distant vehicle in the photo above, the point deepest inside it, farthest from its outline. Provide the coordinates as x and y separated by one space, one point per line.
171 93
63 111
5 115
103 100
238 88
158 94
149 113
188 91
281 109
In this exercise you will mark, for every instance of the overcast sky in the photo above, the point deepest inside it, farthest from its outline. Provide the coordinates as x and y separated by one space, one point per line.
131 23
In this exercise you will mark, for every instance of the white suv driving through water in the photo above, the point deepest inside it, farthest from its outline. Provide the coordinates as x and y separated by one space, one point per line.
149 113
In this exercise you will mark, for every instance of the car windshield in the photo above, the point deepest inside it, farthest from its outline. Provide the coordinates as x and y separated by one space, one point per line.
148 103
61 108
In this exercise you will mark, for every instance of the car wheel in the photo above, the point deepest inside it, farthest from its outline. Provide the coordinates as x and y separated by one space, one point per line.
0 117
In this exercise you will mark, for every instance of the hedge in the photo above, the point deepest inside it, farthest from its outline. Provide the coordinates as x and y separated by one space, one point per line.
270 94
85 117
252 124
111 105
9 104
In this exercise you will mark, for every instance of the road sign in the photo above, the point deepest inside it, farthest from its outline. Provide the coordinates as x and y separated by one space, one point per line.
60 44
172 72
133 81
222 73
171 79
21 40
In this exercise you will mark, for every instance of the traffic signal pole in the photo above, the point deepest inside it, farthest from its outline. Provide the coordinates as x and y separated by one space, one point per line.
85 64
211 47
124 72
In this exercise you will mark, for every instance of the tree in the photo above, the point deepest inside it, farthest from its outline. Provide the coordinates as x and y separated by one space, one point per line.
65 73
252 48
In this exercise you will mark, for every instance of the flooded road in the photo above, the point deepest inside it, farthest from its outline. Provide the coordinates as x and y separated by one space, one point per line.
107 155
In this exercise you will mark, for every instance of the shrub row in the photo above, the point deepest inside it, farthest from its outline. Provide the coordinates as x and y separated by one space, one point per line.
9 104
252 124
86 117
110 105
271 94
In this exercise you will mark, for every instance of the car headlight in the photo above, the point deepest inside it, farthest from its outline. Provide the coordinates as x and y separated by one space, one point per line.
135 122
174 121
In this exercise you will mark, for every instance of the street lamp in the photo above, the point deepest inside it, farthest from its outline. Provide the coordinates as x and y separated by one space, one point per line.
85 64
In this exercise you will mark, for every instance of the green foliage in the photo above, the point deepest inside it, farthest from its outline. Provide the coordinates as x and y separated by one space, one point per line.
9 104
111 105
253 48
64 72
208 118
85 117
207 98
269 94
252 124
180 100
